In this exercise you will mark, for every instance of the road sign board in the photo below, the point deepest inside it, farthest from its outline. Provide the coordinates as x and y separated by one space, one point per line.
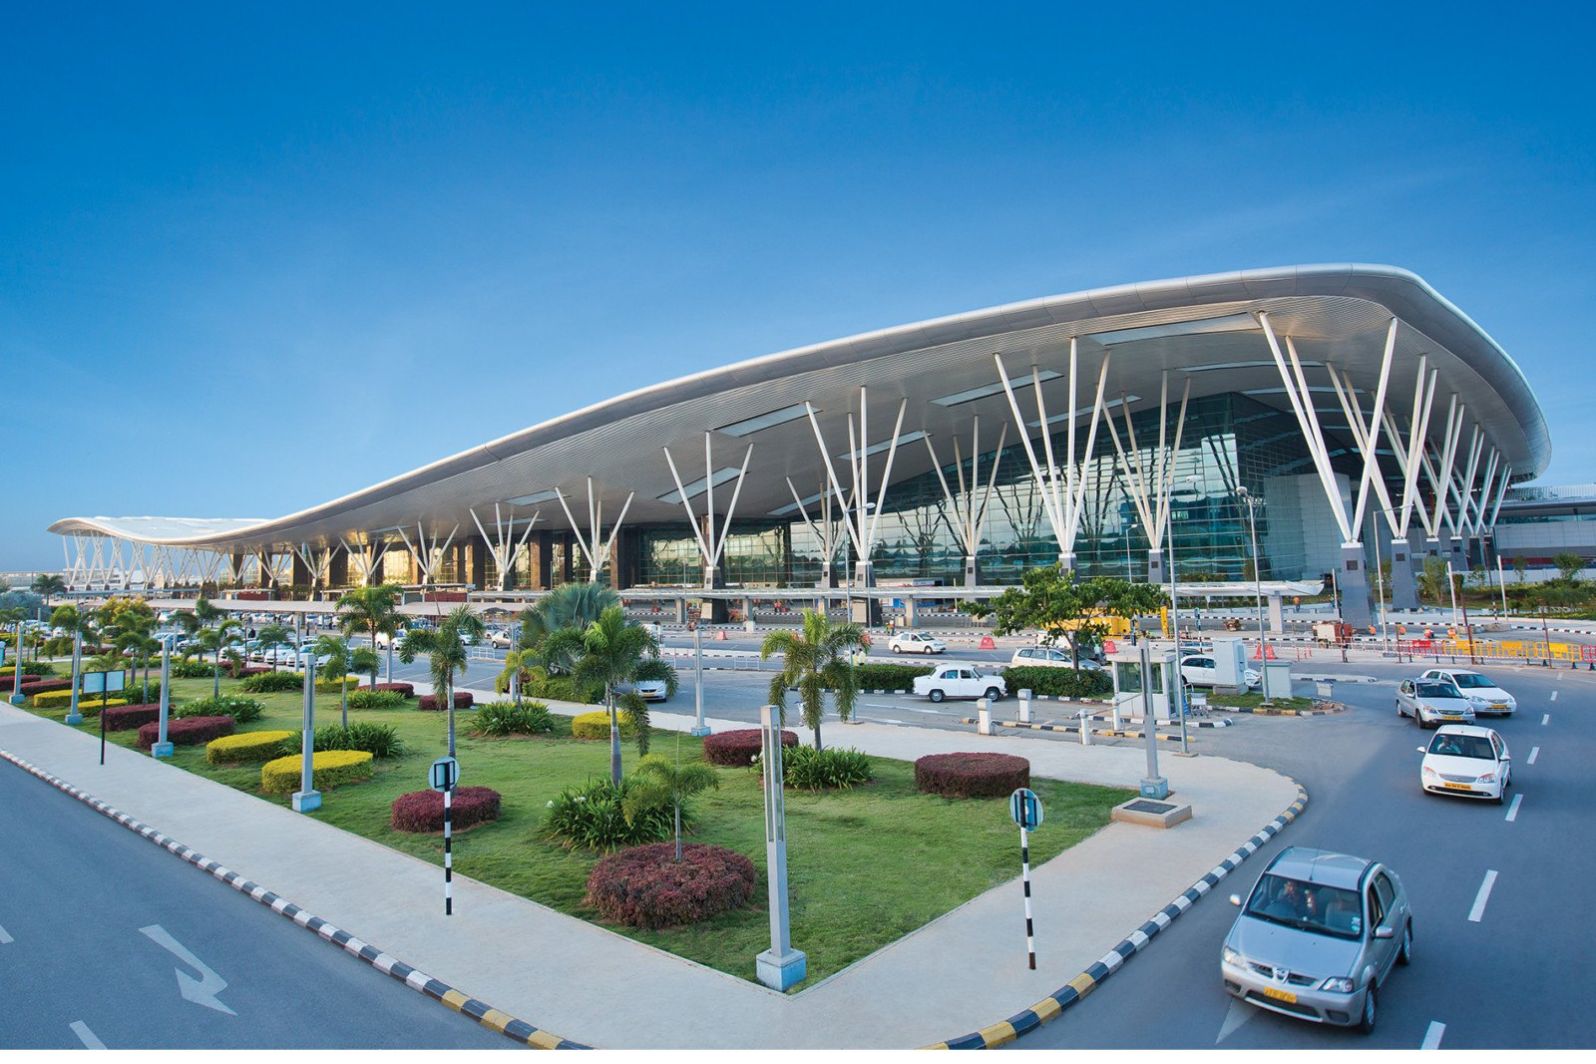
99 683
1026 809
444 774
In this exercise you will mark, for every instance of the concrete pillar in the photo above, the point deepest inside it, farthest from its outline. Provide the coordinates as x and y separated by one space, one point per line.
909 606
865 610
1277 619
540 558
301 577
1404 589
1155 567
477 563
338 569
679 606
1457 553
1354 581
972 572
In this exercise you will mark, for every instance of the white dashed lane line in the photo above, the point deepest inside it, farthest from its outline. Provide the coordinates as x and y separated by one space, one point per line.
5 939
1512 810
1535 752
1546 718
1432 1037
1554 696
86 1036
1482 897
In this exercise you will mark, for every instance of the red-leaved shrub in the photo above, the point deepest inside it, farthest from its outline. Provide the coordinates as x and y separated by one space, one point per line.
126 718
38 687
186 731
423 810
8 679
254 670
462 700
406 689
971 775
738 747
646 886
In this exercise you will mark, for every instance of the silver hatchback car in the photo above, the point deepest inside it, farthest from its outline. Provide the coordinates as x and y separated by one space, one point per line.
1318 936
1432 703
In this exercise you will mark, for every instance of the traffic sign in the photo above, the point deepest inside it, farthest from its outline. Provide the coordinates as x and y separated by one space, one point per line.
1026 808
444 774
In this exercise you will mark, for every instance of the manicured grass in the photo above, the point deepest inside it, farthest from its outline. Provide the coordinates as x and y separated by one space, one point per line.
866 866
1252 700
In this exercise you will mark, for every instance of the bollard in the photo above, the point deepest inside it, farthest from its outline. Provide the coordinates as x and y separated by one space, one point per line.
1025 706
983 717
1086 727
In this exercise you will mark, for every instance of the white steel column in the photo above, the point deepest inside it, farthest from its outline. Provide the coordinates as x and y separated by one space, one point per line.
430 556
825 531
503 546
1152 486
367 557
1296 388
971 503
856 506
710 546
598 550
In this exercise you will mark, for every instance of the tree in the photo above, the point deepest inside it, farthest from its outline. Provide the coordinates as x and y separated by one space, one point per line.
141 647
658 782
214 641
372 610
519 666
446 652
271 636
569 606
615 653
47 584
1568 566
814 661
78 627
1055 602
1432 580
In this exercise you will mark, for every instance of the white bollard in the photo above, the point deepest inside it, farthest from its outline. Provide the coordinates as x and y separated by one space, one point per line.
1086 728
983 717
1025 706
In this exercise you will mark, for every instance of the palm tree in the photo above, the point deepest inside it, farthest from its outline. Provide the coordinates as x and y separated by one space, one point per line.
1432 581
446 651
372 610
47 584
214 641
814 661
567 606
517 672
270 637
614 652
143 647
657 781
77 626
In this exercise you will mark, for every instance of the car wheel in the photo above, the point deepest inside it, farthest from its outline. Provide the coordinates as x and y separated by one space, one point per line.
1400 711
935 696
1405 956
1366 1021
895 649
994 695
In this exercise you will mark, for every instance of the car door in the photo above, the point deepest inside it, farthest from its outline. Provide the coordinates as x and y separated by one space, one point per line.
1381 900
1405 697
1503 766
967 683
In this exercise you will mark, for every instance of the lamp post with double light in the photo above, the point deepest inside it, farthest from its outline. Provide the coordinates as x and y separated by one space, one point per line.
1257 578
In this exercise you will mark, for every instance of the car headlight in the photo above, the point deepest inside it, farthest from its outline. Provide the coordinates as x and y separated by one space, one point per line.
1489 777
1230 956
1338 985
1430 772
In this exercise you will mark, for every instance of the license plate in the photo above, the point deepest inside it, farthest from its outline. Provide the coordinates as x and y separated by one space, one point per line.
1280 995
1457 786
1498 705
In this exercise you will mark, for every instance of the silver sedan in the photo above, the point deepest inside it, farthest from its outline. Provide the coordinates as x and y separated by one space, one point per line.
1432 703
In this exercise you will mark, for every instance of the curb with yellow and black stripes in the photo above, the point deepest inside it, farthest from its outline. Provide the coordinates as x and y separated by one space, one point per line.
1054 1005
417 980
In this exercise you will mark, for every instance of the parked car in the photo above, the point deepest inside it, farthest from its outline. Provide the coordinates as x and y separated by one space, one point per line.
1432 703
498 637
1466 760
280 654
648 690
916 643
1050 658
960 681
383 638
1199 671
1318 937
1478 689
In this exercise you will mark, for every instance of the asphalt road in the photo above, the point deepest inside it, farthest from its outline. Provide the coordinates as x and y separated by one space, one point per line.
88 925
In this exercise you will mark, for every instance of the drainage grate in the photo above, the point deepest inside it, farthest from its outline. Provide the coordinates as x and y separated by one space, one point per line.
1145 806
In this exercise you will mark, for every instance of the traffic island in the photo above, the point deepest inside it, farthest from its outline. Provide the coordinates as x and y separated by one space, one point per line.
1150 813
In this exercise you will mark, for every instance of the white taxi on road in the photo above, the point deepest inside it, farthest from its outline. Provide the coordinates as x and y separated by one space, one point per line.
960 681
1466 760
1478 689
915 643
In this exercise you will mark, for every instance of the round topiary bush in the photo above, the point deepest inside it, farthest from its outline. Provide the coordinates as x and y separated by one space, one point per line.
249 746
422 811
739 746
462 700
647 887
126 718
971 775
187 731
408 690
597 725
328 768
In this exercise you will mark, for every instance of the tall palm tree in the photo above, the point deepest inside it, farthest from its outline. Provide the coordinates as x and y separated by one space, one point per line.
78 626
567 606
143 648
271 636
658 782
446 652
814 661
48 584
615 653
517 672
215 640
372 610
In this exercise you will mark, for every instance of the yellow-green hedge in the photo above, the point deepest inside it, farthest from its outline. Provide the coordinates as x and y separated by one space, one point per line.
248 746
329 768
86 703
597 726
351 682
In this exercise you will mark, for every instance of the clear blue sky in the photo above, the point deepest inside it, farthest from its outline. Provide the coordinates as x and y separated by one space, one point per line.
255 256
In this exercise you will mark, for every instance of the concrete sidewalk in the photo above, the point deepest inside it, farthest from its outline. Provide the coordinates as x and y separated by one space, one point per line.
958 973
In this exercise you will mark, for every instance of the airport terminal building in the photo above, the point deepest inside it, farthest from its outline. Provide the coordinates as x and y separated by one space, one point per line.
1335 416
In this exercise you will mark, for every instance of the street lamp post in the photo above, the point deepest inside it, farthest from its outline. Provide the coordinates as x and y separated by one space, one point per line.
17 697
1257 577
1177 683
163 746
699 727
307 798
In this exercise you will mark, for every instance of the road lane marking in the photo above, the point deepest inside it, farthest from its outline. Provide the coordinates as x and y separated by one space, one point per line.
5 939
85 1035
1535 752
1432 1036
1512 810
1482 897
1546 718
201 991
1554 696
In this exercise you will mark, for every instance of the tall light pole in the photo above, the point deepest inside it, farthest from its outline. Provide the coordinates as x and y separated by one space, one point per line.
307 798
1451 587
699 727
1257 577
1128 527
1379 592
1177 683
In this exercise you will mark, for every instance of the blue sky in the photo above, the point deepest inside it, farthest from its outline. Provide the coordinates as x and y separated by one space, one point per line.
255 256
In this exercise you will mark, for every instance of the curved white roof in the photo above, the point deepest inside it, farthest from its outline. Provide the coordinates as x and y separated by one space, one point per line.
1202 326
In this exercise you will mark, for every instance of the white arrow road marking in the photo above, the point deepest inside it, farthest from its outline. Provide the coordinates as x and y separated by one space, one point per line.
201 991
85 1035
1432 1037
1512 810
5 939
1483 896
1535 752
1238 1014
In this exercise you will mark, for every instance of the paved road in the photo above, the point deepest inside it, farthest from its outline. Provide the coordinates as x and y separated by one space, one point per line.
89 920
1511 978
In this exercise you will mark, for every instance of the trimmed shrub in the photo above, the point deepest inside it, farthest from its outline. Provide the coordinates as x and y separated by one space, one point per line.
462 700
563 689
378 740
8 681
190 731
407 690
250 746
888 677
506 718
972 775
242 710
272 681
422 811
597 725
590 817
647 887
192 670
740 746
88 705
366 698
126 718
39 687
834 768
332 683
328 769
1060 683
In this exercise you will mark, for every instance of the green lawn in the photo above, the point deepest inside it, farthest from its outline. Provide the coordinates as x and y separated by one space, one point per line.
1252 700
865 866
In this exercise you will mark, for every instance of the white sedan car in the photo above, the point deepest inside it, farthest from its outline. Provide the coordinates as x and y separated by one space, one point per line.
916 643
960 681
1478 689
1467 760
1199 671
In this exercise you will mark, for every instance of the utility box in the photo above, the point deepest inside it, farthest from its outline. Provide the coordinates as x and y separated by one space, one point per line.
1126 668
1230 664
1277 679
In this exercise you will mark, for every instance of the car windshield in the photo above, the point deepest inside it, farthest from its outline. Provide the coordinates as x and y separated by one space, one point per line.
1463 746
1470 679
1307 906
1437 689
